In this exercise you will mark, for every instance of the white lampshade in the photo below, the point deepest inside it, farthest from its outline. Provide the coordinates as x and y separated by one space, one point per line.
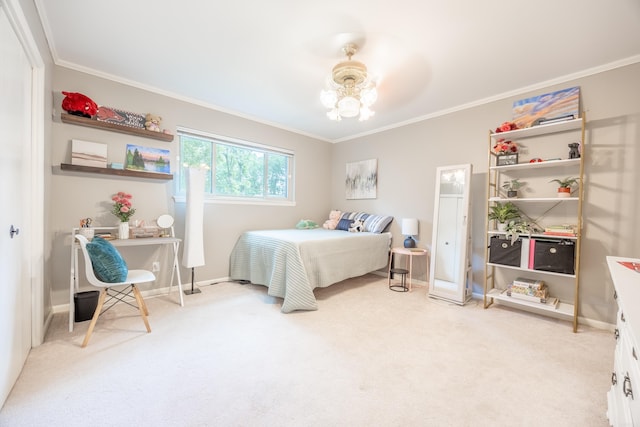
193 253
410 226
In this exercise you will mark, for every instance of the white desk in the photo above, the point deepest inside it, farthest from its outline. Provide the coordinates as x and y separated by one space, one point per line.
409 253
174 242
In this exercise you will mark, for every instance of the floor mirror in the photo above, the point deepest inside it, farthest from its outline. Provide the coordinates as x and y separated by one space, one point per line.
450 277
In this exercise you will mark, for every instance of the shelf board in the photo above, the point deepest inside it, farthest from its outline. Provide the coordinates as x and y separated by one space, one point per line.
539 165
114 127
540 130
535 235
561 309
533 199
551 273
116 172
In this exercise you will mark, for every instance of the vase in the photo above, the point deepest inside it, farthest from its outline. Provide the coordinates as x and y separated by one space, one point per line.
502 226
564 192
123 230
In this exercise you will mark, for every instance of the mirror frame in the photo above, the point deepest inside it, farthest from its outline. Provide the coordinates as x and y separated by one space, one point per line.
460 290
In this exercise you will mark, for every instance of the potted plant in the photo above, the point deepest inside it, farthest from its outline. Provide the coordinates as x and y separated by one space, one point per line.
511 187
564 186
503 212
516 228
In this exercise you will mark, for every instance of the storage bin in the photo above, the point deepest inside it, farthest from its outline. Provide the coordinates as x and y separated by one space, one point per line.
85 304
501 251
556 256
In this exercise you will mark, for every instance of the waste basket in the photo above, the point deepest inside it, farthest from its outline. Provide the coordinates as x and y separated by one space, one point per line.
85 304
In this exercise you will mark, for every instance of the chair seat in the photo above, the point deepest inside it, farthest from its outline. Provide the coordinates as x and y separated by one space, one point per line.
133 277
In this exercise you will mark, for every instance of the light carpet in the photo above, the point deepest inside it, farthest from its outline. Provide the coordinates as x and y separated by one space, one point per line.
368 357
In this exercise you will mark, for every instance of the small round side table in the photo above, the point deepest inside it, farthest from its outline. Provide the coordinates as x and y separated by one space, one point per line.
409 253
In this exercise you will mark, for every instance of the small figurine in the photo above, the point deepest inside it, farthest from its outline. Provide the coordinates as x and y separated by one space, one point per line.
574 151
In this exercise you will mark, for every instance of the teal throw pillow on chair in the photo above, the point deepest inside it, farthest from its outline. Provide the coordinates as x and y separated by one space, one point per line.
108 264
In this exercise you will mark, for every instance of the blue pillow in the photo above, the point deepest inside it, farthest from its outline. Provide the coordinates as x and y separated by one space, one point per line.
108 264
344 224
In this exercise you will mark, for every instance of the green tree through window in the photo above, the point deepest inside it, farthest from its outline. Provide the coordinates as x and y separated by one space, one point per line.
237 169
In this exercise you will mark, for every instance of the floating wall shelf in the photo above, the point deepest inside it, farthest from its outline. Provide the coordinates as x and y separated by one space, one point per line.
83 121
116 172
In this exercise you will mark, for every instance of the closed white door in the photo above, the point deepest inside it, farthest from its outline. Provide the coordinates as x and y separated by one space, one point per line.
15 143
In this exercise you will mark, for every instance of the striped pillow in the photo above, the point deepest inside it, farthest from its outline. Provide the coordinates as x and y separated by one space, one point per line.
372 223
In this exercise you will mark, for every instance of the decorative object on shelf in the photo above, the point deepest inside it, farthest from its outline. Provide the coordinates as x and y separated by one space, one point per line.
503 213
148 159
165 222
574 150
123 230
547 108
120 117
350 92
79 104
564 186
506 152
517 228
85 153
410 229
506 127
85 228
123 210
511 187
152 122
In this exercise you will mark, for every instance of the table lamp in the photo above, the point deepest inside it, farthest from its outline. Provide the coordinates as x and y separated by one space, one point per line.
410 229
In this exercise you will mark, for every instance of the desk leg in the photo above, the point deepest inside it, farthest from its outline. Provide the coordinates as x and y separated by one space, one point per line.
72 280
410 269
176 270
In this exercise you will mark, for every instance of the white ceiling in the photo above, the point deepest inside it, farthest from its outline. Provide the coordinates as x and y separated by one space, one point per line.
268 60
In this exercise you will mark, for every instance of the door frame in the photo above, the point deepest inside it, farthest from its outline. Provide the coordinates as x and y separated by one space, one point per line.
35 201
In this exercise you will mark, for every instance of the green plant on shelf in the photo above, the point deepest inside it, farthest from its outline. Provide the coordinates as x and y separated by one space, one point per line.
503 212
566 182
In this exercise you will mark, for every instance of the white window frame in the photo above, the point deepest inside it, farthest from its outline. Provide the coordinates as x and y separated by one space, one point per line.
180 196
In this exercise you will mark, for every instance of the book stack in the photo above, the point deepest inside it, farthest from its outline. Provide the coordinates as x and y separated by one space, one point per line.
561 230
529 290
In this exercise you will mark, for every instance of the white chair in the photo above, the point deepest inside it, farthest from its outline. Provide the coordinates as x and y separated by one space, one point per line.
133 277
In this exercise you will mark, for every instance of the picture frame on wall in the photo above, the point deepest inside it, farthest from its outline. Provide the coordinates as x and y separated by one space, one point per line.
361 180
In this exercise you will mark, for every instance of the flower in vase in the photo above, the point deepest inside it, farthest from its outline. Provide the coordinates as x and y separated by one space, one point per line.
505 147
122 206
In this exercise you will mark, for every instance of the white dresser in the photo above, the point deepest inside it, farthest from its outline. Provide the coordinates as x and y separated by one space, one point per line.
624 396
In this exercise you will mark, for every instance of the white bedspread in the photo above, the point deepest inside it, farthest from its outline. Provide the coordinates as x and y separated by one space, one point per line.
292 263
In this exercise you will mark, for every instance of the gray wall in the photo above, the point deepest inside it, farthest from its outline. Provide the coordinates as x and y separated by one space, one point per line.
76 196
408 156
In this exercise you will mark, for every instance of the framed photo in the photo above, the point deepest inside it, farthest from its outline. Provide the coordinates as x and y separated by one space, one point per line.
362 179
121 117
85 153
507 159
148 159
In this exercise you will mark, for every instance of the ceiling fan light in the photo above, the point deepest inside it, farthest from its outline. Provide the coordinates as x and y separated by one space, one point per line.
349 91
368 96
349 106
365 113
333 115
328 98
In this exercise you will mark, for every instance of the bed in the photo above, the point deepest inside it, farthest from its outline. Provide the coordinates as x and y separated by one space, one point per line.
292 263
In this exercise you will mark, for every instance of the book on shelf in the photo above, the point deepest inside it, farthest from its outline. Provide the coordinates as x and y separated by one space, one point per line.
528 283
561 230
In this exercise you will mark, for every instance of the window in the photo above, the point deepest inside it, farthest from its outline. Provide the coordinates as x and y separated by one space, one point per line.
238 170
